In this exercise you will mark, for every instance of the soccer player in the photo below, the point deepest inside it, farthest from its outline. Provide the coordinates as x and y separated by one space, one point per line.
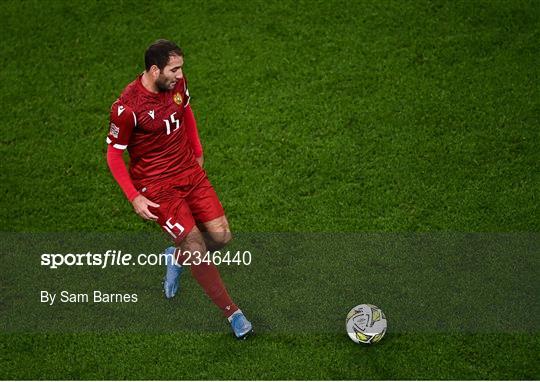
166 183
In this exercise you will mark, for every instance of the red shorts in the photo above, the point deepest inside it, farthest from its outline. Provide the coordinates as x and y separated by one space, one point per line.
183 202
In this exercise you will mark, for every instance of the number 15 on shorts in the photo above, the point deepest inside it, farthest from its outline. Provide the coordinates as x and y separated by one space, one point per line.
171 228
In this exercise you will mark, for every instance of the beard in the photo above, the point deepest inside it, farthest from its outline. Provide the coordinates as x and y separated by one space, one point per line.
163 84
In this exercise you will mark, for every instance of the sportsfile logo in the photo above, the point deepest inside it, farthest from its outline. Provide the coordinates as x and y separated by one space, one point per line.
110 257
118 258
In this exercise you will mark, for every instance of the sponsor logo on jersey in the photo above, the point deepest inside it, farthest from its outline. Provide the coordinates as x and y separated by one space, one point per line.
121 110
177 99
151 114
114 130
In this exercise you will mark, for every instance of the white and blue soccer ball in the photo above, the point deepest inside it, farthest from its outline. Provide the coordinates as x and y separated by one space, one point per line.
366 324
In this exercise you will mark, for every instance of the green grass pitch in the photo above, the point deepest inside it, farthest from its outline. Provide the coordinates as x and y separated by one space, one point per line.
315 116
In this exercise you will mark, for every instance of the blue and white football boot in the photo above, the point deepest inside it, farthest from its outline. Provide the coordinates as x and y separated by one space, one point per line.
171 281
240 325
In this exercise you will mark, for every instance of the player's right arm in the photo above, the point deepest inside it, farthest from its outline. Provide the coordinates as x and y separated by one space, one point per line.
122 123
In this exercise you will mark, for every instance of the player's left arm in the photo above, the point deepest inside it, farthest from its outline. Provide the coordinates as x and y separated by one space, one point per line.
191 128
193 135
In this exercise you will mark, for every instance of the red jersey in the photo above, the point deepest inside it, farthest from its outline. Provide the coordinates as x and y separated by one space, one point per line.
151 126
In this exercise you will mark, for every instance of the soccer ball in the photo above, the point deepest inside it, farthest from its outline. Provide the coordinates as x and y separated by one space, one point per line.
366 324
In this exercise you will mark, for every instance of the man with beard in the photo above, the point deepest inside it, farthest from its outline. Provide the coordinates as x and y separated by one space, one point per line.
166 183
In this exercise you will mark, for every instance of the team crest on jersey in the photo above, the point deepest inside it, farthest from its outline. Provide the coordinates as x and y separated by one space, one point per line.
114 130
177 99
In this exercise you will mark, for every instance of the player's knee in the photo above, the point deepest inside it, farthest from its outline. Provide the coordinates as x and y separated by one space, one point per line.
223 237
217 233
193 241
227 237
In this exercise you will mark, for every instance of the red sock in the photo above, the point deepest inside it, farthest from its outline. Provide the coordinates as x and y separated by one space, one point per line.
207 275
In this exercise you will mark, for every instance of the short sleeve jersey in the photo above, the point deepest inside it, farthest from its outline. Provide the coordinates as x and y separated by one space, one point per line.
151 127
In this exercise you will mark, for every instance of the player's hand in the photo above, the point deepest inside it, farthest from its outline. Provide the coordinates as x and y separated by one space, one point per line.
200 160
141 204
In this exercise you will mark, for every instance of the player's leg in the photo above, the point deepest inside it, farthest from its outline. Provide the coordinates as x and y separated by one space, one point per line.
216 233
190 250
193 248
174 218
171 281
214 227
